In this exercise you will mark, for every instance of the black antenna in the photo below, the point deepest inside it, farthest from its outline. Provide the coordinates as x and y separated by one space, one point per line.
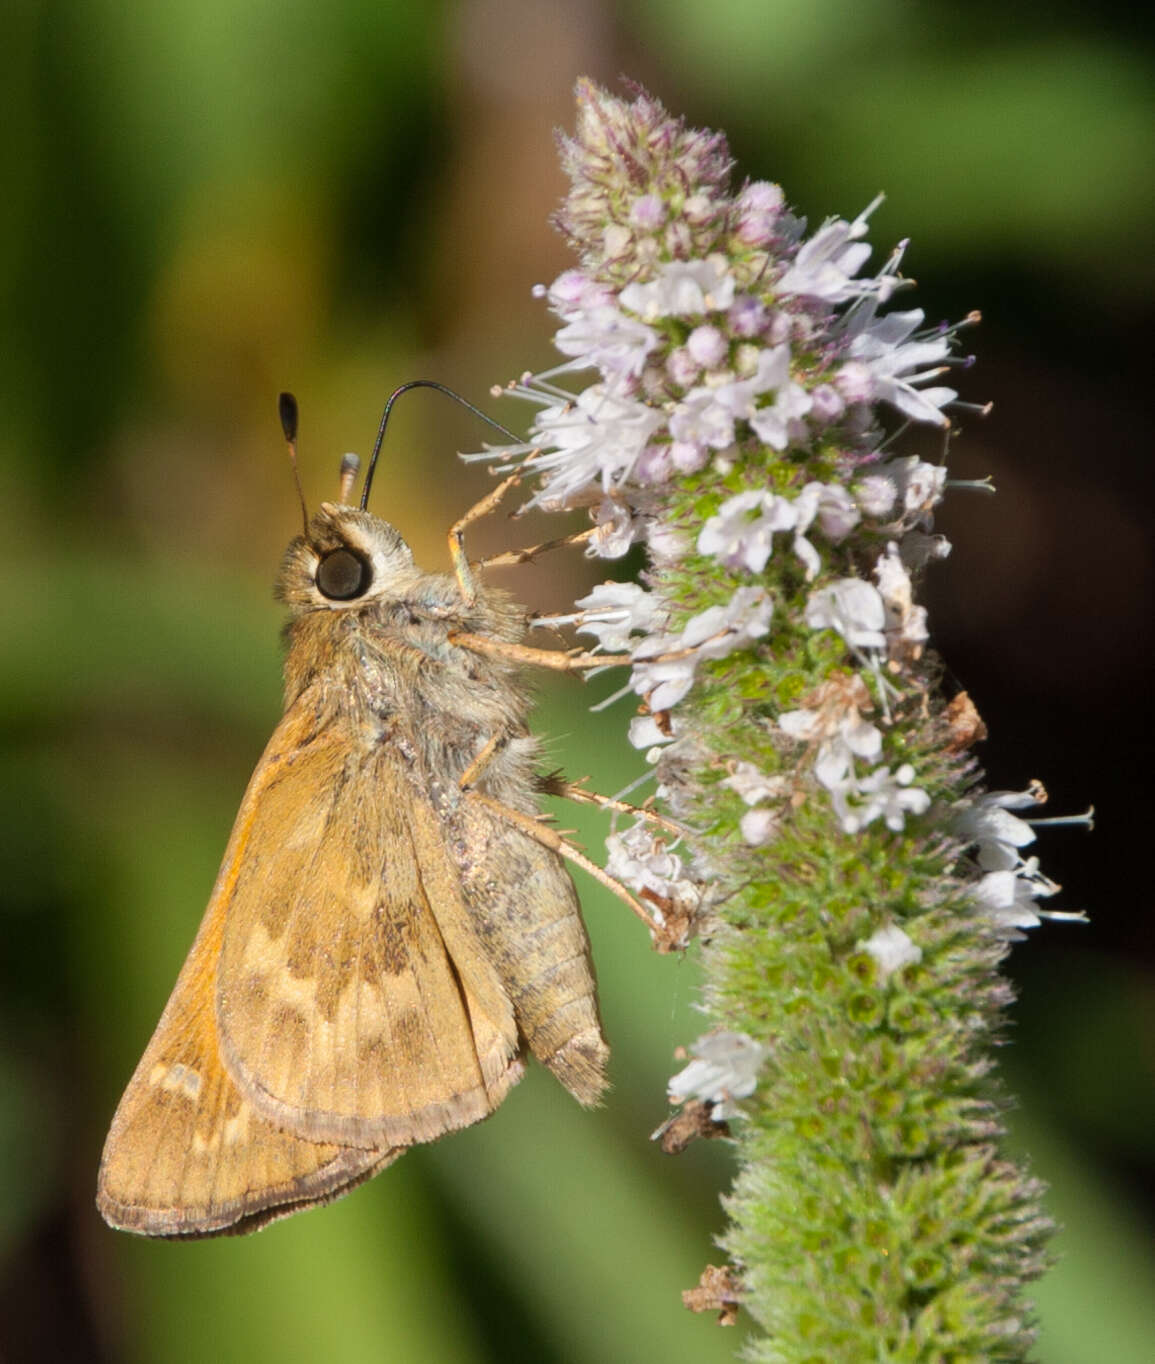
287 410
440 388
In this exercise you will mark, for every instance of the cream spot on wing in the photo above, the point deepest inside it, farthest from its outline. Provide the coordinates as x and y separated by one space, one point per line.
181 1078
236 1130
232 1131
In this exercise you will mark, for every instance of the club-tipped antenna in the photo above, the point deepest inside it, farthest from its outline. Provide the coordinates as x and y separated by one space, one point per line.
287 411
440 388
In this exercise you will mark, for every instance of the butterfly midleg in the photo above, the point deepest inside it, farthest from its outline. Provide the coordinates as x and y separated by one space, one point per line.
560 660
540 658
511 557
576 792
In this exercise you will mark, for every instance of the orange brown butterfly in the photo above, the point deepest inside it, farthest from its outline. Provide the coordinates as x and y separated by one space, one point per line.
392 928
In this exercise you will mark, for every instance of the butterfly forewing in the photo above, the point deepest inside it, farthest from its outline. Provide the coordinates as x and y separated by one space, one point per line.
353 1002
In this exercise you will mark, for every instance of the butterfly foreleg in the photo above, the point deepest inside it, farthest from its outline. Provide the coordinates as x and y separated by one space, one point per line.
461 566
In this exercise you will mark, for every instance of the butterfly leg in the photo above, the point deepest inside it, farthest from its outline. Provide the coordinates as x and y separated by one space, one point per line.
550 838
578 793
563 660
512 557
557 660
479 510
556 785
508 558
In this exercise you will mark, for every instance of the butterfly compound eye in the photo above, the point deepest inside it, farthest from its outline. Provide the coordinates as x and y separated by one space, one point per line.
343 575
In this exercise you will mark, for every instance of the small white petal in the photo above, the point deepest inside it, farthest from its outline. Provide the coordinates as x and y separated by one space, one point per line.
892 949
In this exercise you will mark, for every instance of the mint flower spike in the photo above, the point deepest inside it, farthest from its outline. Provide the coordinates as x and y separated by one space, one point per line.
729 393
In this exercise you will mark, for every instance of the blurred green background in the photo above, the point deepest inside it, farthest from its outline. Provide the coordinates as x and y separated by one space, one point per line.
205 203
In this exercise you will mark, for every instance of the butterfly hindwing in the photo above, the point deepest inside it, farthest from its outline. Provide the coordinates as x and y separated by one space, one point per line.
354 1002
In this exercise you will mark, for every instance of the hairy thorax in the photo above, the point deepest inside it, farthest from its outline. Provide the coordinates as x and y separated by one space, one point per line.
389 668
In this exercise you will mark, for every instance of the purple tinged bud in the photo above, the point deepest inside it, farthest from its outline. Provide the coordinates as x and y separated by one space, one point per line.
855 382
698 209
687 457
759 206
778 329
747 317
648 212
654 464
616 241
682 366
708 347
826 404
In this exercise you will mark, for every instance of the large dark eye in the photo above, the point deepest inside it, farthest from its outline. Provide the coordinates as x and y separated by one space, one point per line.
343 575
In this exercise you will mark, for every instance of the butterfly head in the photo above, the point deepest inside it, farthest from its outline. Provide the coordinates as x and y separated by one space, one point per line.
345 558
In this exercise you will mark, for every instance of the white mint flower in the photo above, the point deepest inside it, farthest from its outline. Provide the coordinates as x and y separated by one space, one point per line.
573 292
780 422
648 212
666 542
682 367
833 721
758 826
741 533
906 628
702 419
614 611
918 549
854 382
665 664
852 607
604 338
760 205
592 441
827 404
897 363
645 732
616 528
836 515
770 373
747 317
834 761
663 682
754 786
882 794
892 949
876 495
720 630
988 822
1006 899
917 485
682 288
706 415
708 346
725 1068
825 266
647 864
